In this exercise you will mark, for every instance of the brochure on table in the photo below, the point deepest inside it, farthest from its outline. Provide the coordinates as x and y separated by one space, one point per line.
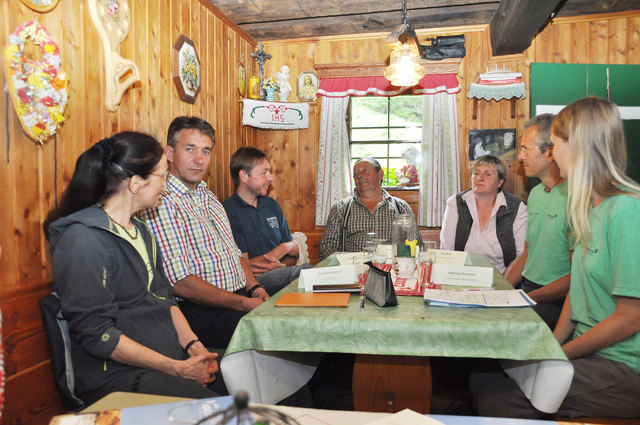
456 298
327 277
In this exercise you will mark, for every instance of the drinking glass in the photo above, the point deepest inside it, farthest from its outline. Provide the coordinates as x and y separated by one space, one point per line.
380 254
370 245
427 258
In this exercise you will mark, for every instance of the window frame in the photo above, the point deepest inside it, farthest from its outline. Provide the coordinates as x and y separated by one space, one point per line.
389 142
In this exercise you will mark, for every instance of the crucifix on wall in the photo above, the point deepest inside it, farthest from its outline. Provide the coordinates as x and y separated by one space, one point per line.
261 57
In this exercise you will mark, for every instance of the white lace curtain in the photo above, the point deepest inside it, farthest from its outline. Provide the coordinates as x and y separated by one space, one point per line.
440 158
440 170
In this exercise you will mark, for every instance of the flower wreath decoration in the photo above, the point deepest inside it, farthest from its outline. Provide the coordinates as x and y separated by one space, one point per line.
38 89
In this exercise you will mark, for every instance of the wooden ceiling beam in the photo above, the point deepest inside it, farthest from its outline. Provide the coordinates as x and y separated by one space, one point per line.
373 22
262 11
516 22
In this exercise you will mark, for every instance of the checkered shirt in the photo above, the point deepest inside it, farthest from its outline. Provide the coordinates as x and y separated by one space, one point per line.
195 236
360 221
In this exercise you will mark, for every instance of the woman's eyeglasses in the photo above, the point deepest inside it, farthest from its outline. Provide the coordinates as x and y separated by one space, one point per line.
164 176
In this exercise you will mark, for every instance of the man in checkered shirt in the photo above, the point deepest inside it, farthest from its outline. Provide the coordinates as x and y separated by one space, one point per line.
210 276
371 209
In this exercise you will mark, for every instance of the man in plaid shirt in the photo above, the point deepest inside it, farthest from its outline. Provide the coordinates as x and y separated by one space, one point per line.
201 259
370 210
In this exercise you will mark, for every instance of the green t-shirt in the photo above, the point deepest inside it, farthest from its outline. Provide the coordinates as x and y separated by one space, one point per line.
610 267
548 235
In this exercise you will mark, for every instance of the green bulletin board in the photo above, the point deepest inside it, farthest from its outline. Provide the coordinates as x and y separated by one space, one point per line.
561 83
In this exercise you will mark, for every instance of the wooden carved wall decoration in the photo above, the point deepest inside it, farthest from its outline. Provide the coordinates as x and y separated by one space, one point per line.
111 18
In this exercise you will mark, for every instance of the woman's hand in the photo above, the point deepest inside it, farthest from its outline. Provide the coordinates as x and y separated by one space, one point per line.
201 368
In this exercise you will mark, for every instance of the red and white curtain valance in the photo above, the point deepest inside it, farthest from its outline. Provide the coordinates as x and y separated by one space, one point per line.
380 86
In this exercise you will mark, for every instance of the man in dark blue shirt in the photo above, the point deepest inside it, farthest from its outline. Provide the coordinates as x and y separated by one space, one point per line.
257 221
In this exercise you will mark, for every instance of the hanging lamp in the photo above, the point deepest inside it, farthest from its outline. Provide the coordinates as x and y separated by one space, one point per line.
404 68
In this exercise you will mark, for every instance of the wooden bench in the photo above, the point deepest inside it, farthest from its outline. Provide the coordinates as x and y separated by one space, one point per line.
31 396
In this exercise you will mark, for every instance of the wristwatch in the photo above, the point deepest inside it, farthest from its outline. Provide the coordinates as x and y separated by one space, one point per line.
253 288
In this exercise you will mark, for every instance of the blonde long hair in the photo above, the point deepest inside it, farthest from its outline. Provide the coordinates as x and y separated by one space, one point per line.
593 128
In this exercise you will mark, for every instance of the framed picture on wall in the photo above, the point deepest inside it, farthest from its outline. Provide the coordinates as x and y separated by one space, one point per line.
307 86
242 80
497 142
186 69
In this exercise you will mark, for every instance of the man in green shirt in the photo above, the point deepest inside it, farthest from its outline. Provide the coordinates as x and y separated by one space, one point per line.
545 264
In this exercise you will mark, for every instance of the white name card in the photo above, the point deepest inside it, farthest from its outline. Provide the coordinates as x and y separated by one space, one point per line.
454 258
337 275
446 274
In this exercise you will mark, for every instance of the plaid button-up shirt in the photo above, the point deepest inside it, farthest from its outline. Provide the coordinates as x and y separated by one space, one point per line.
195 236
361 221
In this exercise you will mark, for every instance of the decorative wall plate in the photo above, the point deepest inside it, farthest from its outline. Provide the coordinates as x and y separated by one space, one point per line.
38 88
186 69
40 5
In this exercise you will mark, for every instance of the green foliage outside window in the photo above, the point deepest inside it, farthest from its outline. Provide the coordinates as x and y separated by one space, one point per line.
382 128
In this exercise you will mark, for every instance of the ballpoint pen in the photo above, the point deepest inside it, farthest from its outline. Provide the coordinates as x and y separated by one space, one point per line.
362 305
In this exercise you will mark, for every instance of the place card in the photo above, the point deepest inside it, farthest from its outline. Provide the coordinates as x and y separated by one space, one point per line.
335 276
455 258
446 274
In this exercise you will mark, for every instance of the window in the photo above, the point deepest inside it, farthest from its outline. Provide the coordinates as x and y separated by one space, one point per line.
384 128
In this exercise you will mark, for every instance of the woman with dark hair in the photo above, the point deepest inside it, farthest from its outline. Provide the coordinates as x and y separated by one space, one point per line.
600 322
127 331
485 219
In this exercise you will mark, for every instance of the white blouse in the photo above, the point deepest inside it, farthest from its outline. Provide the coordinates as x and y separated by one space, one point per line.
482 242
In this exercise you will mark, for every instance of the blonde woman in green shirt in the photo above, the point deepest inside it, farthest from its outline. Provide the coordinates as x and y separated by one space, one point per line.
600 322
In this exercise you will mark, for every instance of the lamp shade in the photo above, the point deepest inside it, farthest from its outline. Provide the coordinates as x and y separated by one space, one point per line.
404 68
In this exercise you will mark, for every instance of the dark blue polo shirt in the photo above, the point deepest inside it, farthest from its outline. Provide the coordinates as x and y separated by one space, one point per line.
257 230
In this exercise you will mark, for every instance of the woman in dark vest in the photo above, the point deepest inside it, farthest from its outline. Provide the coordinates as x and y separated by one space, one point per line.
485 219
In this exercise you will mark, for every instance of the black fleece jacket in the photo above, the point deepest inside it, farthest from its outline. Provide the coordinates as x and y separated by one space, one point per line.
104 289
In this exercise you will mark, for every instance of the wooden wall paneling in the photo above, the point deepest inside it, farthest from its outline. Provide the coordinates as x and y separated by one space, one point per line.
139 94
633 47
196 36
71 137
598 41
617 50
216 118
339 52
155 55
579 32
372 51
230 122
562 37
541 46
124 118
354 51
209 49
323 52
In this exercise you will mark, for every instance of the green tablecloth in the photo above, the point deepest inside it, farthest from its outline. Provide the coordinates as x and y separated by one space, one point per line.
274 350
410 328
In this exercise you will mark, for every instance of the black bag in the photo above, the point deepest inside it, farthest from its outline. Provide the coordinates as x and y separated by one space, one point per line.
443 47
379 287
57 329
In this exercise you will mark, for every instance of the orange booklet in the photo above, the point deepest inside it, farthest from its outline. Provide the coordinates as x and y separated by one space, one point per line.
314 299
